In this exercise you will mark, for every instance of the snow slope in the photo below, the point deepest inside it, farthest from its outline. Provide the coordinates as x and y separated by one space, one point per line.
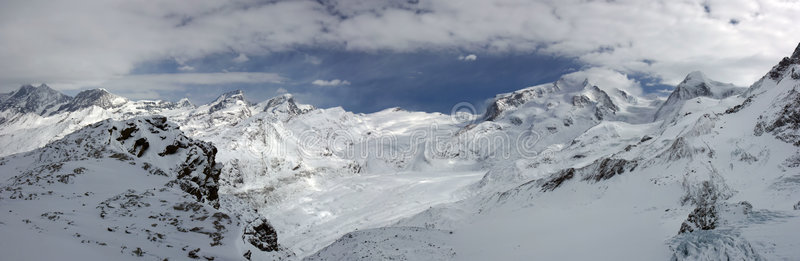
565 170
718 182
120 190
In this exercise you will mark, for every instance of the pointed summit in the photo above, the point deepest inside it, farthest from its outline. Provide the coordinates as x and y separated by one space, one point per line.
30 99
696 84
94 97
184 103
285 104
779 71
228 99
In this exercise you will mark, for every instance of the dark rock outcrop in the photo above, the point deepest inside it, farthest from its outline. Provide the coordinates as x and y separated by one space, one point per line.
262 235
778 71
785 125
559 178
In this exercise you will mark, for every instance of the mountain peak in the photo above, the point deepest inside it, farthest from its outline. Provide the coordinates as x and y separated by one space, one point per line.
31 99
95 97
796 53
696 84
285 104
227 99
778 71
185 102
235 94
695 76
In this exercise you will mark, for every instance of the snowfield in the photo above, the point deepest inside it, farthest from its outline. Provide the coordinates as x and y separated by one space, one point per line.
565 170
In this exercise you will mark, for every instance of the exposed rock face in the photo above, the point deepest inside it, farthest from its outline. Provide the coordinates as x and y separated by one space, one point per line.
778 72
515 99
703 217
608 167
262 235
30 99
226 100
604 107
152 138
558 179
598 170
96 97
285 104
785 125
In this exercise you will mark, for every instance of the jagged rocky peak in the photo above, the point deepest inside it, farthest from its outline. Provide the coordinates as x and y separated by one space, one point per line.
285 104
788 65
787 68
184 103
589 94
94 97
782 119
158 144
31 99
227 100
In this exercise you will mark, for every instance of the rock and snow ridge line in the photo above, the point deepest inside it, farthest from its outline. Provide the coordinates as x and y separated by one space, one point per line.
140 180
701 155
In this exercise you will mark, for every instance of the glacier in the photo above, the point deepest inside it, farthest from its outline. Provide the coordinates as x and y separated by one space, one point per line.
565 170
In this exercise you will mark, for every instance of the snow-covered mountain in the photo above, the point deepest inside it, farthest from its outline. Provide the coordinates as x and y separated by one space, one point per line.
29 99
553 171
696 84
133 188
720 183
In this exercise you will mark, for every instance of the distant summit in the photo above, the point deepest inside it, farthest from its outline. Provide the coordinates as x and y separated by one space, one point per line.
696 84
285 104
227 100
95 97
29 99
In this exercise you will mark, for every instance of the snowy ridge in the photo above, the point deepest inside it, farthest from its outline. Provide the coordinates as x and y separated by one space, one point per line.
711 185
696 84
545 171
29 99
138 188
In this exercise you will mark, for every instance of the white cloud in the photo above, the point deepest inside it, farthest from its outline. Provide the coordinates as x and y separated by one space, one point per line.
241 58
468 58
60 42
606 79
335 82
313 59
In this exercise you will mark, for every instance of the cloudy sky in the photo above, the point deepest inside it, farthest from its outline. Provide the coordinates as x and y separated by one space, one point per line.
366 55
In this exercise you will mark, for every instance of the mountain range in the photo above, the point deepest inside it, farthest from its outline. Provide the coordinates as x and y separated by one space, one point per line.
563 170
